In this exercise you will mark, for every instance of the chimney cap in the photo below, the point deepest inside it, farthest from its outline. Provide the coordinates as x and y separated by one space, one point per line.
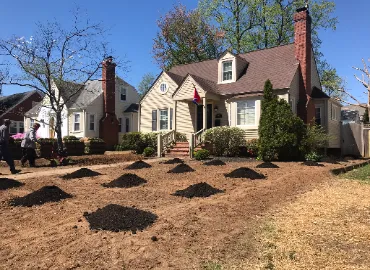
108 59
305 8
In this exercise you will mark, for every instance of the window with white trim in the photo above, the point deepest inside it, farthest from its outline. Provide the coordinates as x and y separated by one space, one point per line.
163 119
123 94
120 124
20 127
227 71
127 125
92 122
246 113
13 128
32 122
334 113
163 87
154 120
76 121
318 115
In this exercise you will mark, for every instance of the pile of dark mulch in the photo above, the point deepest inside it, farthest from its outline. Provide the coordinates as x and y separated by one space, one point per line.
198 190
245 173
117 218
214 162
41 196
138 165
83 172
312 163
6 183
181 168
125 181
267 165
173 161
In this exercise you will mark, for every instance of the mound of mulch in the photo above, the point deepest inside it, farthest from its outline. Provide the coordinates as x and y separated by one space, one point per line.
138 165
125 181
198 190
117 218
312 163
267 165
245 173
173 161
83 172
214 162
6 183
41 196
181 168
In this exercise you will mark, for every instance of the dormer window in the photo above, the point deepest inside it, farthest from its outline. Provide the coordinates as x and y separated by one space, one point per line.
227 71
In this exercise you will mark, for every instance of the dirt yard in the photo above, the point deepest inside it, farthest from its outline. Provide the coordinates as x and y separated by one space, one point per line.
224 231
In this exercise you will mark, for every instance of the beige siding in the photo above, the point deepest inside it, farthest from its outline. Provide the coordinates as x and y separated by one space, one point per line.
334 125
186 91
294 92
186 117
155 100
95 108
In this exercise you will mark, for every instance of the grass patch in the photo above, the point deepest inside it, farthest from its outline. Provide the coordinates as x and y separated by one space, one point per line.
212 266
361 174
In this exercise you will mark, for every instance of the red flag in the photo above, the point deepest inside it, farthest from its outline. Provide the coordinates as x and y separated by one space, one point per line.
196 98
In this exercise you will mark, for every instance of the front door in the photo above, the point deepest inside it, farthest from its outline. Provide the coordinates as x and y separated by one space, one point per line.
200 116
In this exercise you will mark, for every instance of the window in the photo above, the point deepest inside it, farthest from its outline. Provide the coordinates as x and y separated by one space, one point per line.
318 115
246 113
127 125
123 94
13 128
32 122
163 120
20 127
154 120
77 119
163 87
119 124
334 113
293 105
92 122
227 73
171 118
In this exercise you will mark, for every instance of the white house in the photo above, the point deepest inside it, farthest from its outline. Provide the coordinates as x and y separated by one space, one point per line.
83 113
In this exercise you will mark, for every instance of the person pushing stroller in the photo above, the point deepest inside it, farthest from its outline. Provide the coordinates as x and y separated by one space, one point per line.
29 145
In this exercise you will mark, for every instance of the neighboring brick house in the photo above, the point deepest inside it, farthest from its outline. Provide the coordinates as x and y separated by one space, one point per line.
14 107
231 87
105 108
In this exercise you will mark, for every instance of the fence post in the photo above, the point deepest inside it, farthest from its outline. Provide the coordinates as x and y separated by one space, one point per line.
191 145
159 145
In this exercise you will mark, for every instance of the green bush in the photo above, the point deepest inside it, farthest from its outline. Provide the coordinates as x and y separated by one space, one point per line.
129 140
225 140
138 141
148 152
313 156
252 147
201 154
315 140
281 133
181 137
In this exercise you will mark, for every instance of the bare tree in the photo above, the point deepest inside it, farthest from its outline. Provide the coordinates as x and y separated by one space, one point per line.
56 61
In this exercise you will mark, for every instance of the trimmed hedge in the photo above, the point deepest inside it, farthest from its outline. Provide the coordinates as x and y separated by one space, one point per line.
225 141
73 146
138 141
94 146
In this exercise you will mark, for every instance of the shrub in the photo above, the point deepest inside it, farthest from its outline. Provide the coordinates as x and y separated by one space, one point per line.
225 140
70 138
252 147
201 154
313 156
281 133
148 152
181 137
316 139
138 141
130 139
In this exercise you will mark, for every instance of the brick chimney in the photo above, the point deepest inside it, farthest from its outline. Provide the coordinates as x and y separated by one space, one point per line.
303 53
108 127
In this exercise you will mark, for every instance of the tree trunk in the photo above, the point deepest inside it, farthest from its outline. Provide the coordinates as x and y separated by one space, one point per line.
58 130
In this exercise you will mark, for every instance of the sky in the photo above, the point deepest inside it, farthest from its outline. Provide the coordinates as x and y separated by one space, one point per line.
133 27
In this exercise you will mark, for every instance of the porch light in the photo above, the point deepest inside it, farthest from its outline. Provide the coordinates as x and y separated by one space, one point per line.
216 109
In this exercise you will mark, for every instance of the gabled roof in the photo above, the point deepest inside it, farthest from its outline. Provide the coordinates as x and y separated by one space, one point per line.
318 93
277 64
35 109
134 107
7 103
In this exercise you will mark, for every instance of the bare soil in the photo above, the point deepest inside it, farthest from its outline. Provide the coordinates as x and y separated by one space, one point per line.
80 173
188 234
127 180
214 162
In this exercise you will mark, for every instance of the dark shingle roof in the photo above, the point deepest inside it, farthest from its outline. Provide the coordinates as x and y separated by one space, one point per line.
318 93
277 64
134 107
8 102
35 109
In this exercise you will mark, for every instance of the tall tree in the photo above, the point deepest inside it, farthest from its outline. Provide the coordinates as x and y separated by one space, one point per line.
55 55
184 37
145 84
258 24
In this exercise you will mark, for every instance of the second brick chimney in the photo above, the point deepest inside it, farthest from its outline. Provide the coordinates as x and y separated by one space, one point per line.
303 53
108 125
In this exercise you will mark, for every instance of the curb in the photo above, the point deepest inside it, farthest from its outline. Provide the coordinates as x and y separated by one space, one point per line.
349 168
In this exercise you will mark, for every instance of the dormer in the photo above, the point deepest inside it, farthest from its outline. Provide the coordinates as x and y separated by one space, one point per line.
230 67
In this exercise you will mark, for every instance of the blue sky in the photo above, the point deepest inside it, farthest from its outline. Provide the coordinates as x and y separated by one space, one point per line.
133 27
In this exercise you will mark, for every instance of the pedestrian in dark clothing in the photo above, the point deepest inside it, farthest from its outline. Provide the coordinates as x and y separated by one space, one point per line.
29 145
4 146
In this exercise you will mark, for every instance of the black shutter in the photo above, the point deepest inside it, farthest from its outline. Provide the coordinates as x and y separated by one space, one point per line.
171 118
154 120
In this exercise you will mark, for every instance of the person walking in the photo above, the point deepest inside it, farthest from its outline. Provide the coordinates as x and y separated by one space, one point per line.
29 145
4 146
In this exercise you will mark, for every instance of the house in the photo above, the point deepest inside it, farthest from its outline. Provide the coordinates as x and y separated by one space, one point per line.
14 107
105 108
353 113
231 89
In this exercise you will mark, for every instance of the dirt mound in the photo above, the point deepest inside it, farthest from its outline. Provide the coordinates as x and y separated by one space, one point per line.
125 181
181 168
173 161
198 190
6 183
245 173
214 162
138 165
312 163
267 165
83 172
41 196
117 218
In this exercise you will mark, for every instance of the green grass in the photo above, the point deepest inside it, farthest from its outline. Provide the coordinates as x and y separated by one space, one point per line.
212 266
362 174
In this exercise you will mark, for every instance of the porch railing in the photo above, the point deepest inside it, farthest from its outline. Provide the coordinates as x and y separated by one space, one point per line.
196 139
164 141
